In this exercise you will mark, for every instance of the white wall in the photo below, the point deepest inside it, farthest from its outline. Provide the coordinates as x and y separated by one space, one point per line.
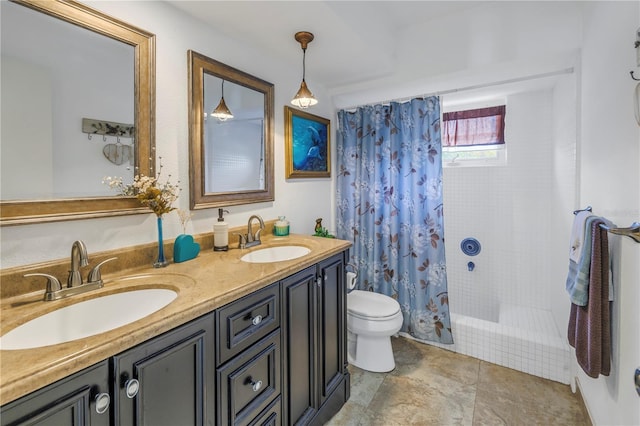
301 200
610 182
26 94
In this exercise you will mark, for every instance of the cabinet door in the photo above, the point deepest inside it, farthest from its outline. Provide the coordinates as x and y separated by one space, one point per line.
73 401
299 325
163 381
331 325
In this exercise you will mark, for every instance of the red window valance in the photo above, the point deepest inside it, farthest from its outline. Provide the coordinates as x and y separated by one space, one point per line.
483 126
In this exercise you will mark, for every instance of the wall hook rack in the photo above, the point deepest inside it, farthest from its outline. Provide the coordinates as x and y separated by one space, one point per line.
636 79
107 128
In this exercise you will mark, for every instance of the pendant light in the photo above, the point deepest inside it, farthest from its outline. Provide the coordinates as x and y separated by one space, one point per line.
304 98
221 112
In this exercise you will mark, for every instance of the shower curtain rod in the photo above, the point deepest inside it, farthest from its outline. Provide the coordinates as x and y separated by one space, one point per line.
472 87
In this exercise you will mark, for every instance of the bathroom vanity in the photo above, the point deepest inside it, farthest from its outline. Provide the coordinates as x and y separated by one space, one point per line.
242 344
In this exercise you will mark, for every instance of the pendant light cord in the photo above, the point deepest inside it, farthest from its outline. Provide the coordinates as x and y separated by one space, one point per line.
304 57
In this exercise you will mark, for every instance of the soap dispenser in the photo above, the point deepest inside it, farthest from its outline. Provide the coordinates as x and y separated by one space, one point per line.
221 233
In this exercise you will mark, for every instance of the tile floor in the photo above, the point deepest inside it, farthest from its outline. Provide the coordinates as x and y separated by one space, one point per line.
433 386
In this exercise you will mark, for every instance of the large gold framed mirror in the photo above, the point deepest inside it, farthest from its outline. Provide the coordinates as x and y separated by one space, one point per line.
78 104
231 135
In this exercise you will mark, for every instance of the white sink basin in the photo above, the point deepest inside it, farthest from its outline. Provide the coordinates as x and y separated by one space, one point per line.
275 254
87 318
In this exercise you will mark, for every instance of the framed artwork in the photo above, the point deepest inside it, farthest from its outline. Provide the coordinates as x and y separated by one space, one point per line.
307 144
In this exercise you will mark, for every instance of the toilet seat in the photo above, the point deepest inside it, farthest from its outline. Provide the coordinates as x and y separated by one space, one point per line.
371 306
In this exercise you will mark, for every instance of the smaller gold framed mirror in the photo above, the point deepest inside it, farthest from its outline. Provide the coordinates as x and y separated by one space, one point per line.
231 134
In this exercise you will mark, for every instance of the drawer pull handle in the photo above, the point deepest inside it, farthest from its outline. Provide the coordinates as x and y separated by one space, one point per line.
256 385
256 320
131 388
103 400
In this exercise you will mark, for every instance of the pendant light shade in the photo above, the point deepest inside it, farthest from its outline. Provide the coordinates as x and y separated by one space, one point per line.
222 112
304 98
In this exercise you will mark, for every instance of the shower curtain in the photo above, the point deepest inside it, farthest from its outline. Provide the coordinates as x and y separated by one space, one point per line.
389 204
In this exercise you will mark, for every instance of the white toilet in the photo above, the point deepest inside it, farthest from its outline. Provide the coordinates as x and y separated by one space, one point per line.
372 319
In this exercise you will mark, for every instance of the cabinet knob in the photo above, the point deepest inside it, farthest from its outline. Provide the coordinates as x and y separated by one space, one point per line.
256 386
131 388
103 400
256 320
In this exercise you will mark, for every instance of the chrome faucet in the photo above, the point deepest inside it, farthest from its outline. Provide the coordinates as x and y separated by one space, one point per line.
252 239
78 258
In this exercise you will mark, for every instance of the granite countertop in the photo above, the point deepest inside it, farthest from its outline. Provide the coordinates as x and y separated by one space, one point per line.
205 283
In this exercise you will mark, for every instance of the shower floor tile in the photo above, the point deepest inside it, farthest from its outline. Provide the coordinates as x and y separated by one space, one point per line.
433 386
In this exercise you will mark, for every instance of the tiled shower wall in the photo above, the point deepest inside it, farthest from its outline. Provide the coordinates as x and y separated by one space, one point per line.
521 215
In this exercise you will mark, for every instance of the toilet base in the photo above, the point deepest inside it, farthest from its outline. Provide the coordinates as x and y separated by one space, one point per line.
371 353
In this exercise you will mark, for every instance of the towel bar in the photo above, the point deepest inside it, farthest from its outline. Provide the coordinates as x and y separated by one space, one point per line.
633 231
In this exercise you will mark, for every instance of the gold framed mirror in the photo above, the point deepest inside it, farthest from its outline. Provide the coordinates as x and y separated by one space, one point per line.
231 155
91 30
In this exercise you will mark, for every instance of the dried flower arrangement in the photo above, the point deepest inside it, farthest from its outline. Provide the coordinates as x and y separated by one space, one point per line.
158 196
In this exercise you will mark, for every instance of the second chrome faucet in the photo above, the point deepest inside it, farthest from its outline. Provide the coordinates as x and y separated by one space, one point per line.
251 239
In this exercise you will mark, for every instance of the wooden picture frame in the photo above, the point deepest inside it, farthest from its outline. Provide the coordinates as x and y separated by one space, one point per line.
307 140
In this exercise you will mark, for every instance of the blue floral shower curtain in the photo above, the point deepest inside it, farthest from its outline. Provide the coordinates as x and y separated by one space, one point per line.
389 204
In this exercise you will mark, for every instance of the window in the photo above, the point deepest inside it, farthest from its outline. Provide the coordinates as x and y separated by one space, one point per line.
474 137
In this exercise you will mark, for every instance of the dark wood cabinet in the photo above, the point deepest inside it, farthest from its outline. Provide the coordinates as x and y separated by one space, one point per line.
276 356
248 358
299 331
167 380
75 401
313 321
332 326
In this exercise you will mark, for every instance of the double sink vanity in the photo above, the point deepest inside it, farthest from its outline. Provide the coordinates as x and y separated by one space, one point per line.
252 336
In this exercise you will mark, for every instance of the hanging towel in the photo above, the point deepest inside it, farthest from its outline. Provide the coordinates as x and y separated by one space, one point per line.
577 284
589 326
578 234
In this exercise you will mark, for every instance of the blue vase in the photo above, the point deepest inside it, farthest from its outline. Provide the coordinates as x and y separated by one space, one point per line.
161 261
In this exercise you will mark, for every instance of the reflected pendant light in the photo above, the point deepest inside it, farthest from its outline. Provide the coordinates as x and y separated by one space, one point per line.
304 98
221 112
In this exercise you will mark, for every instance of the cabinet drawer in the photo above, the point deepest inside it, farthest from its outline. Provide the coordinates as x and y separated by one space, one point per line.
271 416
249 383
245 321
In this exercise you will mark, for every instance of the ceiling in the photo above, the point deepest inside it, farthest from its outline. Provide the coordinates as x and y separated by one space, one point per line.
355 41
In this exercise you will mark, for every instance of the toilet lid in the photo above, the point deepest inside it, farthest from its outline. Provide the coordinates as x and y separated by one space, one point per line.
371 305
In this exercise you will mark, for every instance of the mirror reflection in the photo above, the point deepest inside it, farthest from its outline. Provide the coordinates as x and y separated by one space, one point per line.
78 90
53 75
236 166
231 135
